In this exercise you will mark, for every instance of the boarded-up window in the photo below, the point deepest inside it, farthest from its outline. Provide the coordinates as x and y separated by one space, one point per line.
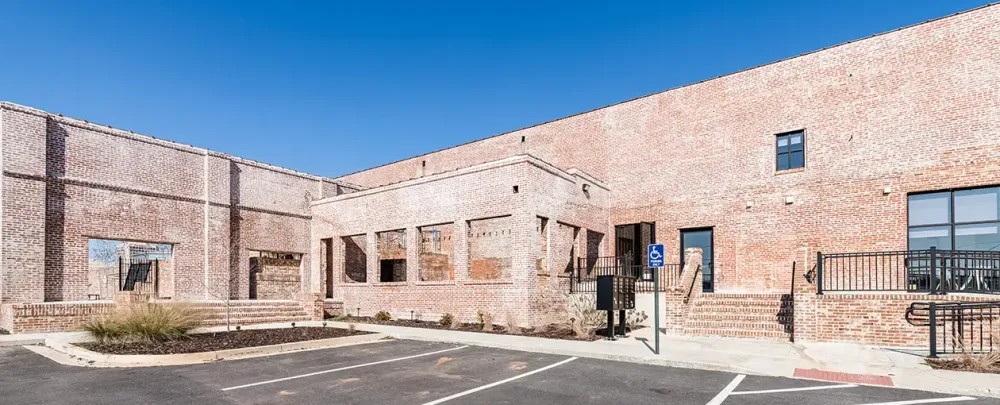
541 227
391 255
437 252
594 241
565 246
491 246
355 259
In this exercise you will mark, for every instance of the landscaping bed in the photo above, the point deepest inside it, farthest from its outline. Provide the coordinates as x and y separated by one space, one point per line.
976 363
206 342
553 331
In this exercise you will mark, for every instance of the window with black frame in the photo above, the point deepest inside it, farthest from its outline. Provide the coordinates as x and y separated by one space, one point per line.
963 221
791 151
959 220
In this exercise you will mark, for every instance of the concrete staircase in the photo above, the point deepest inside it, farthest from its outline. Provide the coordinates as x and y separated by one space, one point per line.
757 316
249 312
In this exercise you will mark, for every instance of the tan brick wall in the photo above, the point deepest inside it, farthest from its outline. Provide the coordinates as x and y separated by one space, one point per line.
495 231
68 180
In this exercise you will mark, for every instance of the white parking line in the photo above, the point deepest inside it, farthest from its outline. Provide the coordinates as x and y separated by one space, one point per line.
820 387
340 369
480 388
925 401
722 395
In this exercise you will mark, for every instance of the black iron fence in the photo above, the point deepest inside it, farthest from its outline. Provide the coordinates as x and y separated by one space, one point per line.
586 271
930 270
139 275
958 327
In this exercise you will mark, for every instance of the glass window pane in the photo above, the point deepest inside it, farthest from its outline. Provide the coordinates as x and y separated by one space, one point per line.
797 159
783 161
796 139
977 237
976 205
927 209
782 141
925 238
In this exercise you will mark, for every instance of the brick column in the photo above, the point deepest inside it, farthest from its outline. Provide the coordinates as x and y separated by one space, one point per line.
412 255
461 245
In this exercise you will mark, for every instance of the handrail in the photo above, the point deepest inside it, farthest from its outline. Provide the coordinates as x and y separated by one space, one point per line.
694 277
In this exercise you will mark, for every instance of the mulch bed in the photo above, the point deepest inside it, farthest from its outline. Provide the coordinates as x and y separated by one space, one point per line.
961 363
207 342
550 332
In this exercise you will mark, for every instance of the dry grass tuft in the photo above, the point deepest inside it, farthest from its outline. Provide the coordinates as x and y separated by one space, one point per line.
144 323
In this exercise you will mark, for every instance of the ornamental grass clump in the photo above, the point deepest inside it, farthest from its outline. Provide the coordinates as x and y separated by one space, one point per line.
144 323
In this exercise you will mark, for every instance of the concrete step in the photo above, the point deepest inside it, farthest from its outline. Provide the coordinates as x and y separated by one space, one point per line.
730 309
241 315
254 321
737 333
718 317
736 325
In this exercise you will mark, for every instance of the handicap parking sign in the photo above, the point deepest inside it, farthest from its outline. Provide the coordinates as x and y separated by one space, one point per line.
655 255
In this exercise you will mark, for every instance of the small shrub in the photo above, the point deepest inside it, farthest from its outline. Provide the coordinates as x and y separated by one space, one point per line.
511 321
584 316
144 323
485 321
4 332
352 327
383 316
634 319
446 320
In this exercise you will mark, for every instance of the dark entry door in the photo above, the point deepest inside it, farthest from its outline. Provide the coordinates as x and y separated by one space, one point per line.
701 238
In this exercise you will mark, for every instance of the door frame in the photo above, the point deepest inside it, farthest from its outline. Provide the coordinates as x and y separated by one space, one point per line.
711 242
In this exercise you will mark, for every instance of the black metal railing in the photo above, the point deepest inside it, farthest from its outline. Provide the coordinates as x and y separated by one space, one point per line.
584 276
930 270
958 327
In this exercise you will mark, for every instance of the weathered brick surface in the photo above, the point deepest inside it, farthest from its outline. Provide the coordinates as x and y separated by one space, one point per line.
66 180
496 239
912 110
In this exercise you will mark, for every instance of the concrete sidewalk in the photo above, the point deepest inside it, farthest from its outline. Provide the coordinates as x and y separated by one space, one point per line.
902 368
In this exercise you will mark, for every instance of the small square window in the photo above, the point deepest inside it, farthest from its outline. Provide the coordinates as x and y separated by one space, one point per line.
790 152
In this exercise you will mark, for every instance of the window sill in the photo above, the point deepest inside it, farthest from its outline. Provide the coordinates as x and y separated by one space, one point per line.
390 283
365 284
789 171
488 282
442 282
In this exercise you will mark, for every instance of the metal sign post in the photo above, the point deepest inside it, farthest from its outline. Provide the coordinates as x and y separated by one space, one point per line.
654 253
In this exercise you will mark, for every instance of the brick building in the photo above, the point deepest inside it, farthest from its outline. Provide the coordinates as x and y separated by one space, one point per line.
887 143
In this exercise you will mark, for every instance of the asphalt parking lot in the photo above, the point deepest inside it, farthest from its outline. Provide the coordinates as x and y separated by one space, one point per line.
413 373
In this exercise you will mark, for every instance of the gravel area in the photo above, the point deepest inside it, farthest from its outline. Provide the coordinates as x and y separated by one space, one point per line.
206 342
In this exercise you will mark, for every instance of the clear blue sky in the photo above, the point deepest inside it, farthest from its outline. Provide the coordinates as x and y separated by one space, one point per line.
334 87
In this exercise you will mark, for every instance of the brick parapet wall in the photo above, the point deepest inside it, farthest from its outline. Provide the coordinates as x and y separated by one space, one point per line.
66 180
50 317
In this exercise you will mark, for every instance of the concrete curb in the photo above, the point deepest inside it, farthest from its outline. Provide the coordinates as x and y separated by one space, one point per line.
87 358
21 342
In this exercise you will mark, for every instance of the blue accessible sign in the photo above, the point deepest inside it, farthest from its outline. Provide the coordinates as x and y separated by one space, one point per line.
655 255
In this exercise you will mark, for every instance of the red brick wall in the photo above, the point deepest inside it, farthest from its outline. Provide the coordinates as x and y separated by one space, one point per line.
915 109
